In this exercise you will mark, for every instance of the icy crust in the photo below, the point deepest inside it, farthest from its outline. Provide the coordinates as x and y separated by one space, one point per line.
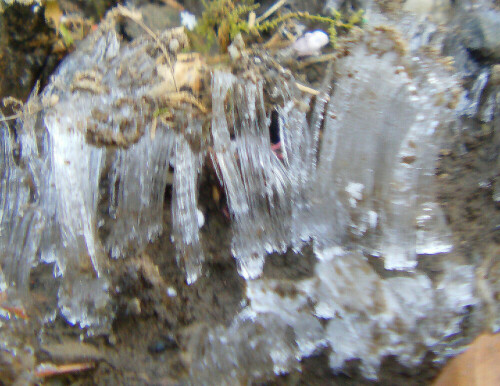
377 157
363 316
372 183
109 173
256 184
365 188
188 164
248 349
20 227
91 175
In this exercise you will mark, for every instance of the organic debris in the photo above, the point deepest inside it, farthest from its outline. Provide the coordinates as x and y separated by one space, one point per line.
477 366
223 20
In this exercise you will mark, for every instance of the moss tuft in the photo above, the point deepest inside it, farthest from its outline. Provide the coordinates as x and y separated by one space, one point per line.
222 20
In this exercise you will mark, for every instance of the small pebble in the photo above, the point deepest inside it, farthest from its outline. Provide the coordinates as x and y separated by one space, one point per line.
201 218
134 307
495 75
311 43
164 343
112 340
171 292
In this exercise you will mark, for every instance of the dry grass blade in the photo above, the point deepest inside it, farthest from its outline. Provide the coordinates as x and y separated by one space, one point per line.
307 89
49 369
271 10
137 18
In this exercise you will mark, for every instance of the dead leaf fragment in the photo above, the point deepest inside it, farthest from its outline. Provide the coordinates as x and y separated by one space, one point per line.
478 366
72 351
53 13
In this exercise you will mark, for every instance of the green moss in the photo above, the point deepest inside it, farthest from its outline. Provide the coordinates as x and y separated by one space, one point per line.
222 20
160 111
66 36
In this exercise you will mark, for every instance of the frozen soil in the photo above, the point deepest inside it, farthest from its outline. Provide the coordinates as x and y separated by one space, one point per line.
156 310
151 327
465 178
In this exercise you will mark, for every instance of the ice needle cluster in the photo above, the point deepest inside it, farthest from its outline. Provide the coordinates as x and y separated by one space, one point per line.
357 179
83 183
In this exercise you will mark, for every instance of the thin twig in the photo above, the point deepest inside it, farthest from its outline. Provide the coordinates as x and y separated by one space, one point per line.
251 19
307 89
49 369
136 19
11 117
271 10
317 59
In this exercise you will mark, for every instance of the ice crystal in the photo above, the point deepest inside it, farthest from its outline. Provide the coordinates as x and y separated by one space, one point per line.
370 189
93 174
248 349
374 195
255 181
21 222
84 181
136 215
364 316
86 302
185 210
